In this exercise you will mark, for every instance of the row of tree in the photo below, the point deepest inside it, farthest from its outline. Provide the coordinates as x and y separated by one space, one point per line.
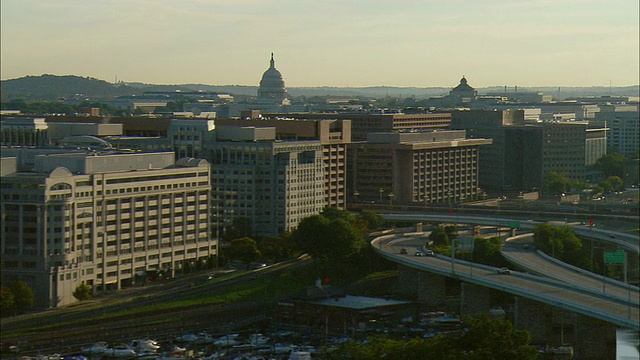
336 240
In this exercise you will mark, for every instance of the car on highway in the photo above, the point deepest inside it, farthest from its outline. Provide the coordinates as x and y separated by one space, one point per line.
403 251
503 270
429 253
419 253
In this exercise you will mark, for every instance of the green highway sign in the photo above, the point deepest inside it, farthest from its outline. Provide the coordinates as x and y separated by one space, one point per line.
514 224
616 257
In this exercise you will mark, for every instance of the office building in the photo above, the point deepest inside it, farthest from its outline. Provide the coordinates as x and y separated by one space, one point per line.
490 125
334 135
365 123
24 132
437 167
274 184
623 122
108 220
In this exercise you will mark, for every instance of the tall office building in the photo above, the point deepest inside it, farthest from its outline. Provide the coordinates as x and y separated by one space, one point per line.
623 122
274 184
567 148
108 220
439 167
487 124
334 135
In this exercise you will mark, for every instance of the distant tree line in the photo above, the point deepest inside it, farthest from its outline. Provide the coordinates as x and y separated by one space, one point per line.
56 107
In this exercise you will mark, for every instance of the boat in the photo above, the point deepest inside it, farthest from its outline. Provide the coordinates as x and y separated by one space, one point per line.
226 340
300 355
120 351
144 346
95 349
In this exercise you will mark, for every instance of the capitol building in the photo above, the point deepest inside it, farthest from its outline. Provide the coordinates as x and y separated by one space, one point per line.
272 88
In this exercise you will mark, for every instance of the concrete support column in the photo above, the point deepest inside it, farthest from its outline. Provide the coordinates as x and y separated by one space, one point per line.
474 299
428 288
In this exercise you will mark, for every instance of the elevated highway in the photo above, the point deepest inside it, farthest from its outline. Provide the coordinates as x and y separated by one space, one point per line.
626 241
613 308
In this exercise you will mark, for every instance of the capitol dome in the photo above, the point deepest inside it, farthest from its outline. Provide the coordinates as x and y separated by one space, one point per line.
271 85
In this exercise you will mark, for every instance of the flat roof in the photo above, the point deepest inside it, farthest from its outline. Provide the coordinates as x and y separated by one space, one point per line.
358 302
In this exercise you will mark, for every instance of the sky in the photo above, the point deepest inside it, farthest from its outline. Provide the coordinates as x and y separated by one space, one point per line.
336 43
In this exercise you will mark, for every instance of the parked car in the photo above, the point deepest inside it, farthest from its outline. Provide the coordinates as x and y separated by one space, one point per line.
503 270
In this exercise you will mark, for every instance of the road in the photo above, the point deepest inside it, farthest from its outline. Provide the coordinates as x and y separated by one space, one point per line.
538 263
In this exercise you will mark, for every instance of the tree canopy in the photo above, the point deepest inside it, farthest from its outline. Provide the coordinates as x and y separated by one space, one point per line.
556 183
559 242
82 292
22 294
611 164
336 239
244 249
484 338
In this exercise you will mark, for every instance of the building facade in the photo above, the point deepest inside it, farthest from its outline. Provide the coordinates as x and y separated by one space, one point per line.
438 167
24 132
274 184
105 220
365 123
334 136
482 124
623 123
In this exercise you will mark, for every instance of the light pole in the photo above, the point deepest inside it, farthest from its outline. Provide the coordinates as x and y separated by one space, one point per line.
390 198
381 191
355 195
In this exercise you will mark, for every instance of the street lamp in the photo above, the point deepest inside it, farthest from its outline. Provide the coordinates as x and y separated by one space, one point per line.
390 198
381 191
355 195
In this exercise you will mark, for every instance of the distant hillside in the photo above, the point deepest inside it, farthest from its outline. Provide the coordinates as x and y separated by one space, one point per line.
70 88
52 87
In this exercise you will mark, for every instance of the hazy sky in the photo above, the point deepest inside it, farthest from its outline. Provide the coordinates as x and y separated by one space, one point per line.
420 43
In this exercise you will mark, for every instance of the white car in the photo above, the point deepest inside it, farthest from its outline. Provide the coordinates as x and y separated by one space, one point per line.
503 270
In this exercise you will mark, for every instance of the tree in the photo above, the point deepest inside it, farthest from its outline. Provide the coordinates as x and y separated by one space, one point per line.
240 227
561 243
547 239
336 243
555 183
612 183
82 292
373 221
244 249
611 164
439 237
277 248
7 300
487 251
311 237
23 295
